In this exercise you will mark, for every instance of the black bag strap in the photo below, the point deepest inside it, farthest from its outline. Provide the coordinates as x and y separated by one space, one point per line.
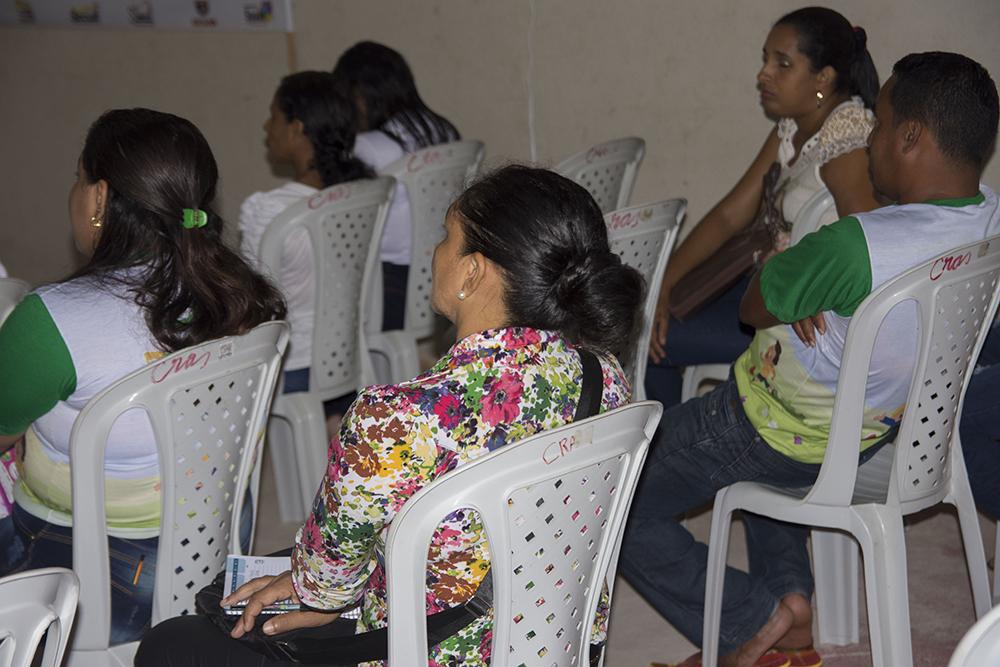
592 388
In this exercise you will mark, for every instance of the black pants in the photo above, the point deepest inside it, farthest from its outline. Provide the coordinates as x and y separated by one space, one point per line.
394 281
194 641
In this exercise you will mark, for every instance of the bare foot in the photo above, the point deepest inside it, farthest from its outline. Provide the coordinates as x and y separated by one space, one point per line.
800 634
775 628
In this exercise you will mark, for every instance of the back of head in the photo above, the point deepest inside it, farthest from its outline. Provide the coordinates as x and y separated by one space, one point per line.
548 236
828 39
954 97
190 285
328 119
383 86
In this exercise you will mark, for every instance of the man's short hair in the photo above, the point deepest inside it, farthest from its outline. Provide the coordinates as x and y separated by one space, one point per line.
952 95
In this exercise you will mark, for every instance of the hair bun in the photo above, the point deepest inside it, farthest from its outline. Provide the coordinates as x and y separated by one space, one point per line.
860 40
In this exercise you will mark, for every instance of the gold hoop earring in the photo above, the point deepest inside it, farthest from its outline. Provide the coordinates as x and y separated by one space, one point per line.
461 295
819 98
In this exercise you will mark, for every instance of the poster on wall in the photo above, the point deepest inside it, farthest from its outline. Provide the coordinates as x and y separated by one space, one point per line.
208 15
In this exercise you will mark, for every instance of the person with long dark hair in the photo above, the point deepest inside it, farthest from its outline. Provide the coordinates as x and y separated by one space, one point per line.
818 82
310 129
393 120
526 275
158 278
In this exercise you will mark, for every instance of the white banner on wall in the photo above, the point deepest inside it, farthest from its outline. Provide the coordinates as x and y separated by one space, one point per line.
208 15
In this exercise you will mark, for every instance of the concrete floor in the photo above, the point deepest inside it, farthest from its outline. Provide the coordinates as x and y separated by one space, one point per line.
940 599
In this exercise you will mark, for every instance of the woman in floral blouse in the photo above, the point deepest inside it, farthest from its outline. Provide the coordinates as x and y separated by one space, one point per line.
525 274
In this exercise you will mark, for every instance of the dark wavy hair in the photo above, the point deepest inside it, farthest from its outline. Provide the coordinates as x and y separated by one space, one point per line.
548 236
381 80
827 38
952 95
328 119
190 285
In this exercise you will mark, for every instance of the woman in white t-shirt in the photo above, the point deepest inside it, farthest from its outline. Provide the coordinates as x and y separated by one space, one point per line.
158 278
393 120
310 129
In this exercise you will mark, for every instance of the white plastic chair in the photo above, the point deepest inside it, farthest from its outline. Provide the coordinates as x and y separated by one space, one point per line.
433 178
207 405
32 604
813 212
554 507
980 647
644 236
344 223
12 291
607 170
954 313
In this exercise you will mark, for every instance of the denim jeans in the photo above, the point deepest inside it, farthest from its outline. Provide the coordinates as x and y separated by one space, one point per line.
30 543
703 445
713 335
980 427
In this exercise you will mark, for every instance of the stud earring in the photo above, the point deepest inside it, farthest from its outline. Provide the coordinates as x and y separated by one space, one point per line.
819 98
95 222
461 295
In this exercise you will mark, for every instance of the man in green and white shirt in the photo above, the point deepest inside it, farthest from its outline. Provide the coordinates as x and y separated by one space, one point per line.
936 121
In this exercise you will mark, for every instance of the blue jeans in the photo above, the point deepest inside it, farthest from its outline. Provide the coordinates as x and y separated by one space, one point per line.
703 445
980 428
30 543
713 335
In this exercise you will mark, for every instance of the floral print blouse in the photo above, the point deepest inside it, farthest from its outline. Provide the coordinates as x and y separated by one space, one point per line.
491 388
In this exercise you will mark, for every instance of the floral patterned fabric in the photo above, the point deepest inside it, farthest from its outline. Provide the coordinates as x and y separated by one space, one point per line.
492 388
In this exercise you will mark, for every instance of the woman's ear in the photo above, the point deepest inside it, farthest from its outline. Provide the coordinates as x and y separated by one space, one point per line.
826 76
101 191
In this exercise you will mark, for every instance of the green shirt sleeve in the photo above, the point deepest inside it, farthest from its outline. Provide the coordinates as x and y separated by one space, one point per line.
827 270
36 369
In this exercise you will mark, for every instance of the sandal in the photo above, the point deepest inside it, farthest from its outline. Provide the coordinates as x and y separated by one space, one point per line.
803 657
772 658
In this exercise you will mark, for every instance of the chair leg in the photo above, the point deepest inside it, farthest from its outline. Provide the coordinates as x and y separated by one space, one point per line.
835 566
281 452
972 540
884 548
715 578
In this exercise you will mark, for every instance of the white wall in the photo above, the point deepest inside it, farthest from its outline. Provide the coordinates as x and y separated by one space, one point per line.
679 73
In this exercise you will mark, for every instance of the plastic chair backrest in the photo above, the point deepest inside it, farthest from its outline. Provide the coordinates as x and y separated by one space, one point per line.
956 296
981 644
644 236
812 214
433 178
12 291
554 507
607 170
344 223
206 404
32 604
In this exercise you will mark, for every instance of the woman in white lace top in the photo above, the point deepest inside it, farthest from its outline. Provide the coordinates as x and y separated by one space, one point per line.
818 81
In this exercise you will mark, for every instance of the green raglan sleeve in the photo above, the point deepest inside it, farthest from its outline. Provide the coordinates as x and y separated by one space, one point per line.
829 269
36 368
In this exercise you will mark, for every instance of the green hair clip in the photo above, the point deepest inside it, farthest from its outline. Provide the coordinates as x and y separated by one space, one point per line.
194 217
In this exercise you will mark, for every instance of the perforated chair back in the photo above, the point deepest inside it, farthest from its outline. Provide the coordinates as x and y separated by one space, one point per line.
981 644
644 236
12 291
36 604
810 218
554 506
955 297
607 170
433 178
207 405
344 223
